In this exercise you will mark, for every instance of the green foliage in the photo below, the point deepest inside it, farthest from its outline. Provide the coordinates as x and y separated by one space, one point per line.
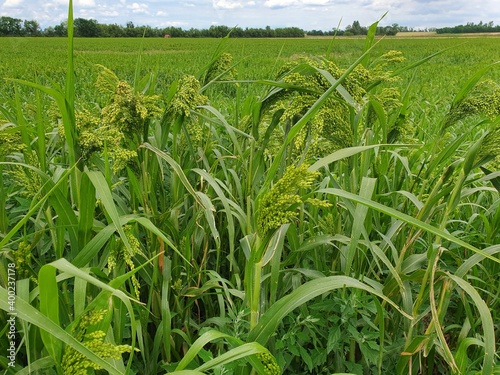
330 129
187 97
221 69
483 99
341 218
10 140
277 205
74 362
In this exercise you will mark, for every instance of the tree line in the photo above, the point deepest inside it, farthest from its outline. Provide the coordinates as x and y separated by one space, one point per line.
90 28
470 27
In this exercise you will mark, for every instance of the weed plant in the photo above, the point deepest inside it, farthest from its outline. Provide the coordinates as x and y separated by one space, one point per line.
317 225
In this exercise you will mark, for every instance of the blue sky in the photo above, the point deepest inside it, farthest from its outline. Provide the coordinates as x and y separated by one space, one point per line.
306 14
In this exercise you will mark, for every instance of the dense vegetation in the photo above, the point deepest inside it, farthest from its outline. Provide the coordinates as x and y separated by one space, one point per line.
470 27
329 211
91 28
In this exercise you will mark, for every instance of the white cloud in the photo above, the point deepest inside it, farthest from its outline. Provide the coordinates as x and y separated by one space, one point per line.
279 3
139 8
12 3
173 23
274 4
161 13
85 3
316 2
227 4
109 13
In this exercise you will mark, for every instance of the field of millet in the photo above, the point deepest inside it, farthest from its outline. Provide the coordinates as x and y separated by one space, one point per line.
249 206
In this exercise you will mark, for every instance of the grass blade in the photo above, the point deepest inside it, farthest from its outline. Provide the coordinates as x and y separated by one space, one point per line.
270 320
406 218
486 322
31 315
104 193
49 306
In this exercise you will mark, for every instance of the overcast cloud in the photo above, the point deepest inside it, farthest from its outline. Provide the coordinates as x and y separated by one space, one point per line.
306 14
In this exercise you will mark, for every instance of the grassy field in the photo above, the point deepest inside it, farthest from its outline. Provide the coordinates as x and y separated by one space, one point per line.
250 206
44 60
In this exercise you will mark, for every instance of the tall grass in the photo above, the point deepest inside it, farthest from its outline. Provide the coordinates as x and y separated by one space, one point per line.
318 227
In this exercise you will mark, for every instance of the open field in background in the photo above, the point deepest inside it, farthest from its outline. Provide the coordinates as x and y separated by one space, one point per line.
44 60
29 58
250 206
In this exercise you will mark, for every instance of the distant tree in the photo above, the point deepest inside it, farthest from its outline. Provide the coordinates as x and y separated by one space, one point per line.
61 29
218 31
86 28
237 32
112 31
470 27
315 33
31 28
130 30
10 26
252 32
391 30
177 32
269 33
356 29
289 32
145 31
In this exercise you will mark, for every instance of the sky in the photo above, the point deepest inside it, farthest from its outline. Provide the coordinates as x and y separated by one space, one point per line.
306 14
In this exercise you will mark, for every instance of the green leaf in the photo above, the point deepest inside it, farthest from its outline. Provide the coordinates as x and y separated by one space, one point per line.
270 320
37 365
370 37
177 169
49 306
494 177
469 85
461 357
197 346
486 322
234 354
367 188
104 193
348 152
406 218
31 315
87 208
34 208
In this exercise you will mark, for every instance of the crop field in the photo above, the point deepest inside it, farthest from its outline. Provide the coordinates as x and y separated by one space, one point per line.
250 206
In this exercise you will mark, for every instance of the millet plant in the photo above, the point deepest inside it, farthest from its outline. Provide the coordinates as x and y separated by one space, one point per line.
314 227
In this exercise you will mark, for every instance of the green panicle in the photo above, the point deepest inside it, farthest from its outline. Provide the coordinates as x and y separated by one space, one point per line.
270 364
121 253
330 129
74 362
187 97
277 206
482 100
22 259
129 110
221 68
27 179
10 140
120 124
